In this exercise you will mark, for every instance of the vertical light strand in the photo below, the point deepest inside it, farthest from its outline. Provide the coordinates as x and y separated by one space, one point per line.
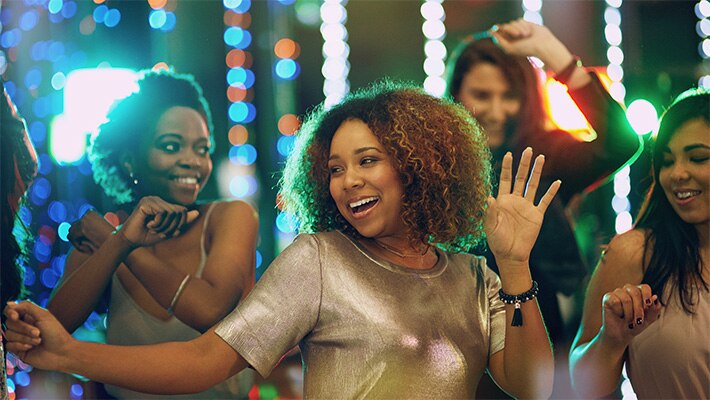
615 57
532 11
336 66
702 11
286 69
237 178
434 49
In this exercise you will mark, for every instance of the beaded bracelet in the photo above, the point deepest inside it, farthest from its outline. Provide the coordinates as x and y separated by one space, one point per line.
518 300
566 73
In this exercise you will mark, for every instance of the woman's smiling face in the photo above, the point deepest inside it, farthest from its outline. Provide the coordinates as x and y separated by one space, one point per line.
364 183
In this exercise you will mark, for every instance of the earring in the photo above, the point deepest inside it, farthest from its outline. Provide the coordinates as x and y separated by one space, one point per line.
133 178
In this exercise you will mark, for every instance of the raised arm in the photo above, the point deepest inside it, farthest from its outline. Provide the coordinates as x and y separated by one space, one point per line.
228 275
617 307
581 165
88 271
167 368
524 368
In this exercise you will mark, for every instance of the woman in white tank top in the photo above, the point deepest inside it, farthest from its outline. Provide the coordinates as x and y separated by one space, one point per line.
154 153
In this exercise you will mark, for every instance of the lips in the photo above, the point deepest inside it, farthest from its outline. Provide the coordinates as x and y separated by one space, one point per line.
685 196
360 206
186 180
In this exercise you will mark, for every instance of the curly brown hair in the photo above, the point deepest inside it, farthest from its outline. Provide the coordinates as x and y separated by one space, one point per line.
435 144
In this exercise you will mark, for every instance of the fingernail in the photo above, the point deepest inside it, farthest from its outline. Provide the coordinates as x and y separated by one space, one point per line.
631 326
638 321
34 332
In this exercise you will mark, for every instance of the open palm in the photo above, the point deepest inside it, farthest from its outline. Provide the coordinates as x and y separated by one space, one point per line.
513 220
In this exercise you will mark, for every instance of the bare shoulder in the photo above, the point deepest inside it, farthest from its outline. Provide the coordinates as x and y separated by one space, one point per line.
622 260
233 212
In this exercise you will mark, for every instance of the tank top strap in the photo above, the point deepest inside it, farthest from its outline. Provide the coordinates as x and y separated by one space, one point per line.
203 251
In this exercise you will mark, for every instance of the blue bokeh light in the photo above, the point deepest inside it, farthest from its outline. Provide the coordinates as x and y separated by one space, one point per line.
57 211
287 69
112 18
22 378
63 231
170 22
243 154
157 19
30 277
284 145
29 20
237 37
239 6
49 278
55 6
45 164
69 9
99 14
242 112
10 38
38 132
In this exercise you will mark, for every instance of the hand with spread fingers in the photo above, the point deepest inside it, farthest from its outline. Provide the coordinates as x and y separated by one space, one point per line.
513 221
627 311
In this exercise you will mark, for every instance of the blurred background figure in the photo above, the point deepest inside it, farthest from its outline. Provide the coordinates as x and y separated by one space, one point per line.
154 151
492 77
18 166
648 303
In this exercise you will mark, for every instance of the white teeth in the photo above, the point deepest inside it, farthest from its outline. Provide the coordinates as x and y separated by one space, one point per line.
186 180
363 201
685 195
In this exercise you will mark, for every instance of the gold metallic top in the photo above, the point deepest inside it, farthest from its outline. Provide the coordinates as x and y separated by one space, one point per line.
369 328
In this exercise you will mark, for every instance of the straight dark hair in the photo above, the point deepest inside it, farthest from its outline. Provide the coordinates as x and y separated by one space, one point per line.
672 246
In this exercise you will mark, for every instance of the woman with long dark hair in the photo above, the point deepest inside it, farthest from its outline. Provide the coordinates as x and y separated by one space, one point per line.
648 303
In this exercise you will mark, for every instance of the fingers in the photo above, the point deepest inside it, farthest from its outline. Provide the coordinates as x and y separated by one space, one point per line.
522 175
506 174
632 303
549 195
534 182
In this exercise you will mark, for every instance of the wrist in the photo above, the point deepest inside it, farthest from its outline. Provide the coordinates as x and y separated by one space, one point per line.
123 241
611 344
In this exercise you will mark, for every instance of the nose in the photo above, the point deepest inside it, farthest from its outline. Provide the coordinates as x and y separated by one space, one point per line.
190 160
679 172
496 110
352 179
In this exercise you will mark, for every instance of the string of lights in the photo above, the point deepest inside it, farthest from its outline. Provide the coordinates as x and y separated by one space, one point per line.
434 49
336 66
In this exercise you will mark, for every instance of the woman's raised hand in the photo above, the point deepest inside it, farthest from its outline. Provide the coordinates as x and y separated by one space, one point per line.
89 232
154 219
512 220
628 311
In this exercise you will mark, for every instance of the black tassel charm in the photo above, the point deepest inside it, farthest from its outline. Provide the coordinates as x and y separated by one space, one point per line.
517 315
517 300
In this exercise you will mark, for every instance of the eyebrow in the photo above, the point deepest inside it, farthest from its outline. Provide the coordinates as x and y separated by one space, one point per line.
689 147
358 151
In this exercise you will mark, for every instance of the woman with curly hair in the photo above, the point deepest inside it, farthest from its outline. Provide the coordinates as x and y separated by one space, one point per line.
388 186
153 154
648 303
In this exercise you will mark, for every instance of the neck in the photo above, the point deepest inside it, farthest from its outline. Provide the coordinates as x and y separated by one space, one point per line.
401 252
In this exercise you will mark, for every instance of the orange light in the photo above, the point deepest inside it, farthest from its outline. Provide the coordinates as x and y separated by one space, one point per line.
287 48
236 58
289 124
161 66
157 4
238 135
232 18
237 93
99 1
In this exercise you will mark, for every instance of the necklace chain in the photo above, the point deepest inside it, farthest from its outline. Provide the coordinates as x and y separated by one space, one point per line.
398 253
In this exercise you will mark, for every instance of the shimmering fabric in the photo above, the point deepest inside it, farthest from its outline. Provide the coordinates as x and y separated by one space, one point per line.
671 358
369 328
